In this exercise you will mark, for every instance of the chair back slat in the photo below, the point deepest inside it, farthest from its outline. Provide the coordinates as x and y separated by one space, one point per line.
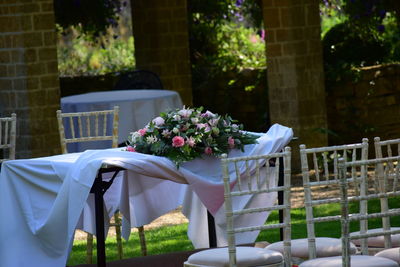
71 126
8 134
315 160
88 126
87 120
255 172
1 134
105 122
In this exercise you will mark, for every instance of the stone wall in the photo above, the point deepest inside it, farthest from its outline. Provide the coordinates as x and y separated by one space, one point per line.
295 70
368 108
160 28
29 83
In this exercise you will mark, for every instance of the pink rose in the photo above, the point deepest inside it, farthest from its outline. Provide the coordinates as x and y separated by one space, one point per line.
231 142
208 150
130 149
178 141
143 131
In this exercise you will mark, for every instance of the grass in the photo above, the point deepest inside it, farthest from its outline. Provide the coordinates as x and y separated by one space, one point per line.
159 241
174 238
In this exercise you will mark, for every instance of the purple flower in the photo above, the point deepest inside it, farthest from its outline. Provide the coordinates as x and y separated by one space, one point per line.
382 13
239 2
381 28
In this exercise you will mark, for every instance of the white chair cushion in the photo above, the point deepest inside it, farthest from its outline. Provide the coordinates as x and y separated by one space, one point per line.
390 253
356 261
325 247
378 241
245 256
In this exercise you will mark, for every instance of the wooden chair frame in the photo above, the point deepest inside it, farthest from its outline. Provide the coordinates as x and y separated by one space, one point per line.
326 179
8 134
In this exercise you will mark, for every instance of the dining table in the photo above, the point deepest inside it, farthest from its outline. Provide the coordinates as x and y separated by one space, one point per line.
42 200
136 108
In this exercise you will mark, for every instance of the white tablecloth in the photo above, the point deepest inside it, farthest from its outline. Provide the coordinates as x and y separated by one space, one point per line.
41 200
136 109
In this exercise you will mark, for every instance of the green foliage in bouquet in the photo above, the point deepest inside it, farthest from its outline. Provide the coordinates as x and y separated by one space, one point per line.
186 134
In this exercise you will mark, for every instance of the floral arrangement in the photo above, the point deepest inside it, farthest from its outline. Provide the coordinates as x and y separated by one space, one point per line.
185 134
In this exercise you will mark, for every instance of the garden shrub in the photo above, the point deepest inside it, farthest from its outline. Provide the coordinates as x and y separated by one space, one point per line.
344 47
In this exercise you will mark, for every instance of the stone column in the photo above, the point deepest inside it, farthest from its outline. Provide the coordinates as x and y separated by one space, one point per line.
29 84
295 69
160 30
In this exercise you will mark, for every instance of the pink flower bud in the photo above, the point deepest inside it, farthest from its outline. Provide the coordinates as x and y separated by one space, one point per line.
143 131
208 150
130 149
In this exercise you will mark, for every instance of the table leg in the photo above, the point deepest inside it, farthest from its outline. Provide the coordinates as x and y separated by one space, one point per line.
212 236
99 210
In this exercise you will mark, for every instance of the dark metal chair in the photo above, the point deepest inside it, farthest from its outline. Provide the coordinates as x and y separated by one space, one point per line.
139 79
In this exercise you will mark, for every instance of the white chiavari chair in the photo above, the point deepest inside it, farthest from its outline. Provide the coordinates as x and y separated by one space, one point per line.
386 148
320 171
88 127
247 173
372 176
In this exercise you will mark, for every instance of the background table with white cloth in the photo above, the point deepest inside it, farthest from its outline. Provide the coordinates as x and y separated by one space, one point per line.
136 109
42 199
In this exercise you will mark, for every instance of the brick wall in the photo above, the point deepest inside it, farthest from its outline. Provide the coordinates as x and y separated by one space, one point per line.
295 71
160 28
368 108
28 74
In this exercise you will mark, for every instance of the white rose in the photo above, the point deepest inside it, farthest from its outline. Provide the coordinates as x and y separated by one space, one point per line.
209 114
185 112
175 130
159 121
135 136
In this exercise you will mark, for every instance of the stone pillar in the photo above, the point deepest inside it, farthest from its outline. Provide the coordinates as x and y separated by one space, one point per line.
295 69
29 84
160 30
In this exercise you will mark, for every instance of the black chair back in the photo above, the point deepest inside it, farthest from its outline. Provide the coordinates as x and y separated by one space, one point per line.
139 79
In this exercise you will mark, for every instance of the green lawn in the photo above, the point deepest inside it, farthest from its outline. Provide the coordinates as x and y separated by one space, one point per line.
174 238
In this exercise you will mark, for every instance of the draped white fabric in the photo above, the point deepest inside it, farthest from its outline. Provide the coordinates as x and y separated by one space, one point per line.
41 200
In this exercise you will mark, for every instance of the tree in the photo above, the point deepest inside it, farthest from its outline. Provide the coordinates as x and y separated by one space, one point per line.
90 16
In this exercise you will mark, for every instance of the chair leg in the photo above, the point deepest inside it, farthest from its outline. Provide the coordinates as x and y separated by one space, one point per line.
89 248
117 220
142 239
